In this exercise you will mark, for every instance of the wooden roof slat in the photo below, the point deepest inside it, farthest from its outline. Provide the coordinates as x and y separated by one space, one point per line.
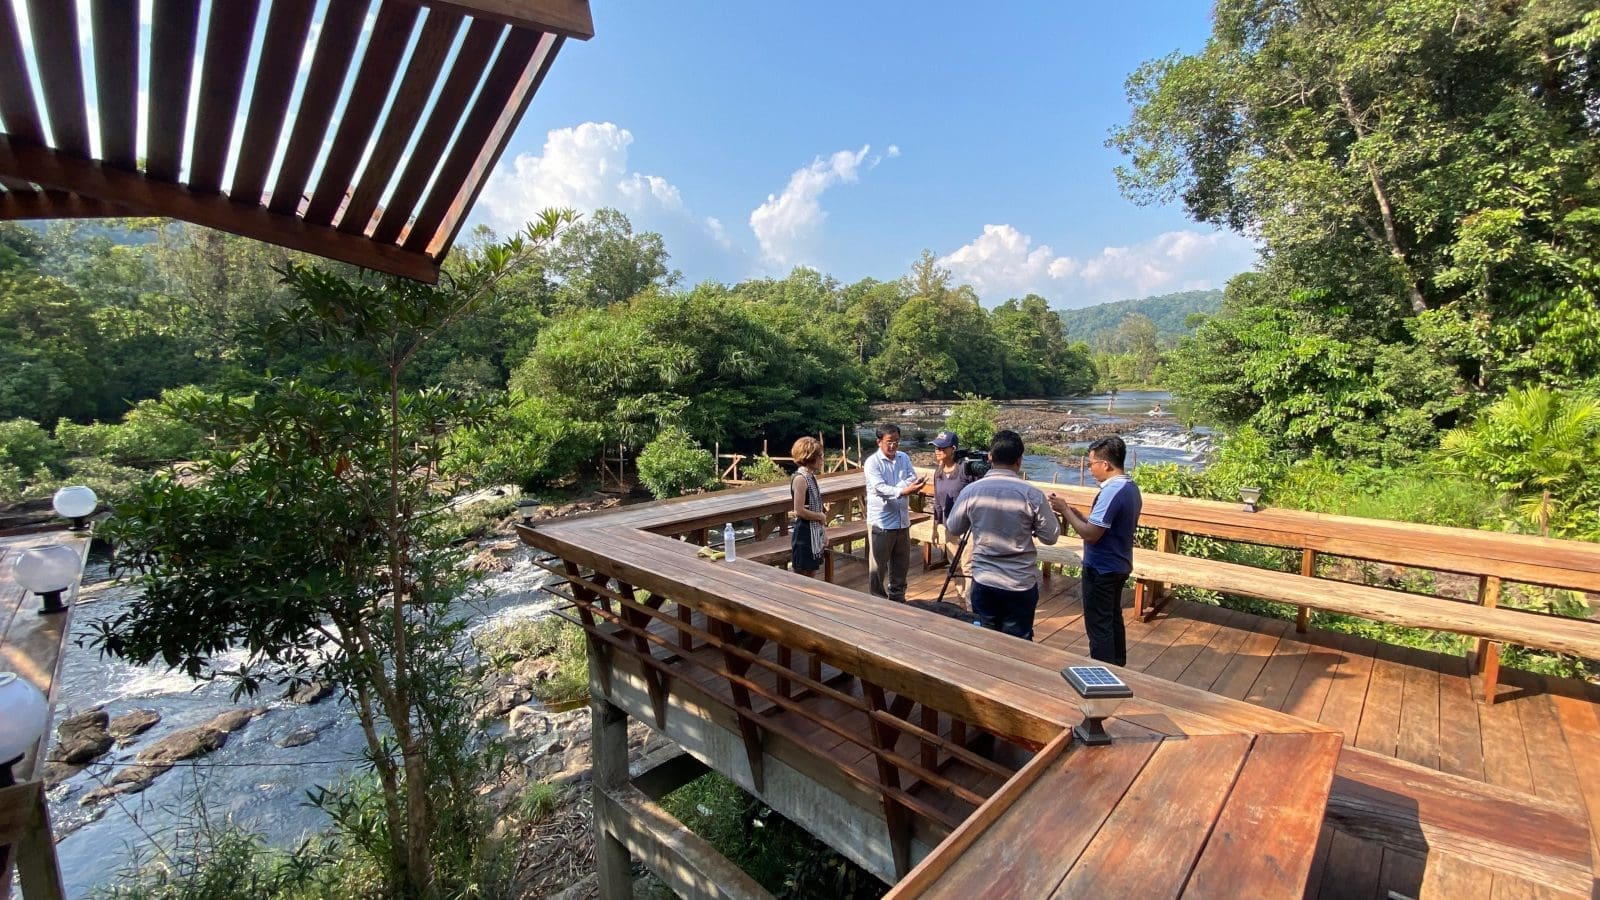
288 25
568 18
55 52
336 44
172 43
116 76
422 73
495 145
16 88
390 34
228 38
464 75
515 67
160 198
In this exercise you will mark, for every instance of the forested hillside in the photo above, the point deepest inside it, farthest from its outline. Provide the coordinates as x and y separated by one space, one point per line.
1169 313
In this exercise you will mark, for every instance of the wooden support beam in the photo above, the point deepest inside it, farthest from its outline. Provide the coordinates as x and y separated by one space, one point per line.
1487 653
1308 569
92 180
749 731
690 866
25 836
667 775
570 18
609 737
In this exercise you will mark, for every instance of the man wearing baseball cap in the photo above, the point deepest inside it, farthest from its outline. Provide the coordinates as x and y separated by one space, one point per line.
949 478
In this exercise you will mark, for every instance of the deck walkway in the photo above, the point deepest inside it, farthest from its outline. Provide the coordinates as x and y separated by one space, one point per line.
1542 737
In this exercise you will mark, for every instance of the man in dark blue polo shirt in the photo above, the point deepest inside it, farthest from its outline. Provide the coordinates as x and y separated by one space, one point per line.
1107 548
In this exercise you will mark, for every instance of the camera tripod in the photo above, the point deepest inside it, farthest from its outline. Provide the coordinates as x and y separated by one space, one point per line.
954 562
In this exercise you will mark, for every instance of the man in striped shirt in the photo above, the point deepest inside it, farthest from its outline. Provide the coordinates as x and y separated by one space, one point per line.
1005 514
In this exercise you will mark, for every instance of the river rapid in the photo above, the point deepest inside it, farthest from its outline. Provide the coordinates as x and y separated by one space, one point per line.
259 778
1146 420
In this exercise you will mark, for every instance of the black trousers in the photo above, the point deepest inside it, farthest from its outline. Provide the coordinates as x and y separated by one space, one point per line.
1102 615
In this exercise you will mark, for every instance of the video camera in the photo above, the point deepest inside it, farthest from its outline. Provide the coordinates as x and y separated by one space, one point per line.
976 462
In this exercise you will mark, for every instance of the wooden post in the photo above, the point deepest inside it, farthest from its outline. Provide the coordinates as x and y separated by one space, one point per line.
609 736
1308 569
25 837
1488 652
716 460
1080 470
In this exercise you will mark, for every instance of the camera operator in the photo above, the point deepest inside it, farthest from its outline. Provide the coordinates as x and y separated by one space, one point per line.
1005 514
950 475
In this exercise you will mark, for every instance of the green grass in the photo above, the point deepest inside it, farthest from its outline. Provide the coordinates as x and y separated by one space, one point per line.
504 646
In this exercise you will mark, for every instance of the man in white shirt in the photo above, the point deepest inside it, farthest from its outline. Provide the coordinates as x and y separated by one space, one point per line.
890 481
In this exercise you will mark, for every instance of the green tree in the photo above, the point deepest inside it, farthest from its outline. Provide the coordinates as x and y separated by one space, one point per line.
1037 359
601 261
1423 172
309 545
673 464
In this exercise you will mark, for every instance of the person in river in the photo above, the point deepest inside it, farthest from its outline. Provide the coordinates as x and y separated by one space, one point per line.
808 538
950 476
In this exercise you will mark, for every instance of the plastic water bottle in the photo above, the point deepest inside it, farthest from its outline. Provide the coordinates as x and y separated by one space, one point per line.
729 548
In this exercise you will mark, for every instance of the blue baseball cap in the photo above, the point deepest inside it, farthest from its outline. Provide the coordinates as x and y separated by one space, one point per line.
944 439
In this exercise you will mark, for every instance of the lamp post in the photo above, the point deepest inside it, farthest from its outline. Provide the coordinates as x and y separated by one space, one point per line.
23 713
47 571
75 502
1100 692
1250 495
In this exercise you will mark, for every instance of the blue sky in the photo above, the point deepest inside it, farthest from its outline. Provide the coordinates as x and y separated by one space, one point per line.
848 137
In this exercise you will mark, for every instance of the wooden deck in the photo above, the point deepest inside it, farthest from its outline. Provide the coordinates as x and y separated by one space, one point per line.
860 717
1541 739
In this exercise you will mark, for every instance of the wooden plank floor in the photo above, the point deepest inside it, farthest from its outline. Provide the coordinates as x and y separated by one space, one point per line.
1541 736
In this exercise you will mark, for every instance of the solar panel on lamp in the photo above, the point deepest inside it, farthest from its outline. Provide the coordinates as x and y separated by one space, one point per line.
1095 681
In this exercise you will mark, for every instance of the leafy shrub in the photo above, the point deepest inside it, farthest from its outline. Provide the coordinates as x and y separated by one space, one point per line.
1534 441
153 431
506 645
26 446
674 464
528 443
973 421
763 470
110 482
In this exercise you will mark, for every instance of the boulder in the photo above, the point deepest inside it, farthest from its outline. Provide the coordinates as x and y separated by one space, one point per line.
185 743
84 737
309 693
298 737
235 719
125 727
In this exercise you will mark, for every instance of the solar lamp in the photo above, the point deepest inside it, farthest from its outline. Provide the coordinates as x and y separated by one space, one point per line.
525 508
23 712
1100 693
47 571
75 502
1250 496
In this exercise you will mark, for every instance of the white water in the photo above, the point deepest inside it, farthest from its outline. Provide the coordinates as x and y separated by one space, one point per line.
260 785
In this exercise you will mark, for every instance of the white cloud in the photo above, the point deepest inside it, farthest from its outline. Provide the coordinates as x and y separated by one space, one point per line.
1003 262
787 225
584 167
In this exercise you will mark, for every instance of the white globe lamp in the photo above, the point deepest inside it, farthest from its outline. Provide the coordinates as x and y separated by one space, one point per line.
47 571
75 502
23 712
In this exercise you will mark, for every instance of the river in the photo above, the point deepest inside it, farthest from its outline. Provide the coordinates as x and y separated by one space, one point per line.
252 779
1150 427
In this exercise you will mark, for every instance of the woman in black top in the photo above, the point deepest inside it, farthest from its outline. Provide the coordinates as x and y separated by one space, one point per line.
806 539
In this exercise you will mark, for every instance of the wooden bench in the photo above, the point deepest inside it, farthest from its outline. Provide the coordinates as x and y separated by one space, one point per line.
1445 818
776 551
1579 637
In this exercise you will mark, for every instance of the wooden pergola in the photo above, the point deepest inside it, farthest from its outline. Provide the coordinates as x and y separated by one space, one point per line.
430 95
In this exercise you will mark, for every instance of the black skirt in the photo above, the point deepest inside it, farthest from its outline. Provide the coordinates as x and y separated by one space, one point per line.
801 558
